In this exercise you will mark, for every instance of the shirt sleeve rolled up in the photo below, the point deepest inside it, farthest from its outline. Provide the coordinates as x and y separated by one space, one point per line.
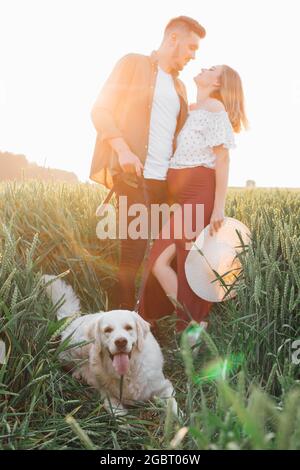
112 94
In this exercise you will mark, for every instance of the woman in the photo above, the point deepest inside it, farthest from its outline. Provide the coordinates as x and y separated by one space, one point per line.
198 174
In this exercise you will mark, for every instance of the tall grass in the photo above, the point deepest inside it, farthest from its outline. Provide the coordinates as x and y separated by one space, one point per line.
265 316
241 392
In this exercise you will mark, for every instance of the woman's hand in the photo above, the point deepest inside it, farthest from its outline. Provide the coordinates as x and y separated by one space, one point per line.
216 220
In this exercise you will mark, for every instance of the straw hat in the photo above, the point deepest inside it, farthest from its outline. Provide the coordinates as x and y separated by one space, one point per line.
217 252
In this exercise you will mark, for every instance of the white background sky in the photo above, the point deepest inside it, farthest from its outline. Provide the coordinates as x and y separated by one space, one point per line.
56 54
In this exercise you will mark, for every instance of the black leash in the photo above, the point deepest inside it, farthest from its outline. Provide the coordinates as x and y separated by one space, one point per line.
107 199
113 190
148 246
121 387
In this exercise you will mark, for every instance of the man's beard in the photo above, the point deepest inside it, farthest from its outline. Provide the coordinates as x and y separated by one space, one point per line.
176 65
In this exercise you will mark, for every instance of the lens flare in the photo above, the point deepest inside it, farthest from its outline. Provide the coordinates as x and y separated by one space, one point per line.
219 369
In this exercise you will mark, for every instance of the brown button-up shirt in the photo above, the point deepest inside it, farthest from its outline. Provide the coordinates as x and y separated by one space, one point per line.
123 109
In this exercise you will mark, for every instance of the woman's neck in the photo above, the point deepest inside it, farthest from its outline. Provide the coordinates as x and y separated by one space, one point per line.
203 94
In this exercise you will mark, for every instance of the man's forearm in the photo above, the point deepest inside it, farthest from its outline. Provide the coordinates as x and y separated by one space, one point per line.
119 145
105 124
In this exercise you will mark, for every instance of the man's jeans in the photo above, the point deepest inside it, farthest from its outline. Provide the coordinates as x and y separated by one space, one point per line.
132 251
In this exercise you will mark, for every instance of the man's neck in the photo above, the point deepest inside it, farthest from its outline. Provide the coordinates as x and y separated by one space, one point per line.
164 61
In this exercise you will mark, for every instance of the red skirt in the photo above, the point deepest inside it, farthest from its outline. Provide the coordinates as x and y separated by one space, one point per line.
186 186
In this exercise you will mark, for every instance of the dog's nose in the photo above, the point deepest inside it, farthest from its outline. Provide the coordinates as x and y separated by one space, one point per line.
121 343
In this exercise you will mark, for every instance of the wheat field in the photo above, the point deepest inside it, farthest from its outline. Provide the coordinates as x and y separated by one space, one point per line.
242 391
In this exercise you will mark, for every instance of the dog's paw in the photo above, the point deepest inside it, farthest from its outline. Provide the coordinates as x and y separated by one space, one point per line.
126 427
172 403
120 411
176 411
169 403
112 406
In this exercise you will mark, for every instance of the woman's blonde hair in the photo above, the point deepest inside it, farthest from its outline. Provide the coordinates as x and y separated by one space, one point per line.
231 95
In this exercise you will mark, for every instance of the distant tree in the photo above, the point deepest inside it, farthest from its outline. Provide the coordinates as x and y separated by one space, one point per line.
16 167
250 184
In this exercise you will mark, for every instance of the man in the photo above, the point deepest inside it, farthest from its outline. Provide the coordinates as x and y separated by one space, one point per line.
137 115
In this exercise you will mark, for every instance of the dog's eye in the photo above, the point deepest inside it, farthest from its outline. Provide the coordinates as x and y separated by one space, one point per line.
128 327
108 329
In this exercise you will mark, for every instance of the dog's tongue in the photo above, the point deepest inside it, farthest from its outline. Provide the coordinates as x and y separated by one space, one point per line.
121 363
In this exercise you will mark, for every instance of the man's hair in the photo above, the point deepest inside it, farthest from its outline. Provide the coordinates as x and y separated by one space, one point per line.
185 23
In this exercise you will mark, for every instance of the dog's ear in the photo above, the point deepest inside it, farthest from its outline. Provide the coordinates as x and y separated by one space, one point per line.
93 334
143 328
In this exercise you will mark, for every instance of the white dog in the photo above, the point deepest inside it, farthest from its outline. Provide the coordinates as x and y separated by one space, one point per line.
121 344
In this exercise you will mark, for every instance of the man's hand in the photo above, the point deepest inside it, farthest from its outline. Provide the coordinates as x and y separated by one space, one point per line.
130 163
216 220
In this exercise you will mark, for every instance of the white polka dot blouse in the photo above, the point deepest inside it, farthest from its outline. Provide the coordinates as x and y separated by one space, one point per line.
202 131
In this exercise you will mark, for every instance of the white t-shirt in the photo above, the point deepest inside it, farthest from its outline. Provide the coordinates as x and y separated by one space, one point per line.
163 122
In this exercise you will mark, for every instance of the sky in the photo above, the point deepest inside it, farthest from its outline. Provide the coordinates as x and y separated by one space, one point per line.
56 54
